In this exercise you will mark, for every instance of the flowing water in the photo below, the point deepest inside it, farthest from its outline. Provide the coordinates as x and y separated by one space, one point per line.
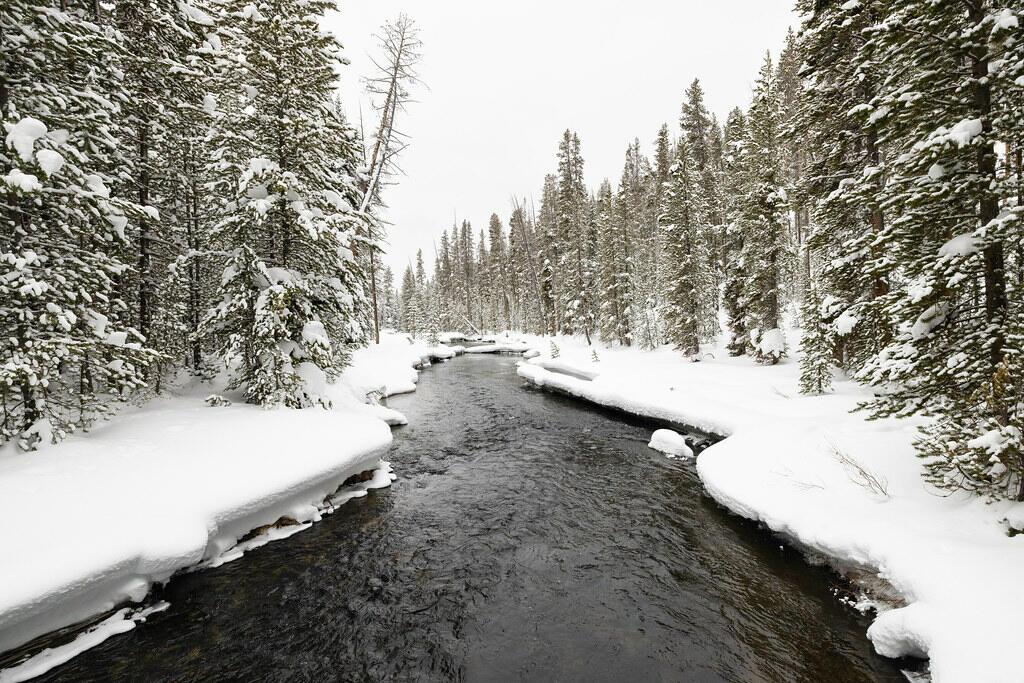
528 537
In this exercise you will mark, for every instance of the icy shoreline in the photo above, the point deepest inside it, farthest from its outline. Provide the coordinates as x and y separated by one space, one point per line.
833 483
97 520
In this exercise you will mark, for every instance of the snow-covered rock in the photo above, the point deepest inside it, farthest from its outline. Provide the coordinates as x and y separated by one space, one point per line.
670 443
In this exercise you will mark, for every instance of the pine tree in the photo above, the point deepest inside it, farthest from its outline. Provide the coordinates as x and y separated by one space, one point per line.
764 250
423 312
69 351
467 275
614 278
842 182
291 298
690 294
699 131
502 296
389 303
576 232
410 315
953 91
790 94
551 254
815 345
638 217
735 184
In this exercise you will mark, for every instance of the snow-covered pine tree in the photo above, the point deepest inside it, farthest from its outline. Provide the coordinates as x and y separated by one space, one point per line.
697 129
690 292
614 262
550 254
577 233
764 247
498 268
388 300
735 186
951 95
790 93
69 351
467 262
409 314
423 311
638 217
291 296
483 285
717 202
842 181
815 345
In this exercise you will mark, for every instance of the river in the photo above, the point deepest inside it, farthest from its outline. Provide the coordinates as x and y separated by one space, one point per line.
528 537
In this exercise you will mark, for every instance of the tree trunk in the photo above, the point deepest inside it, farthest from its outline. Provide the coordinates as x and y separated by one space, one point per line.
145 263
996 303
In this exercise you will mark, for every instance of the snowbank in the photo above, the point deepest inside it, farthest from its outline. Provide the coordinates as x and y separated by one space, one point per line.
835 484
389 368
93 522
508 347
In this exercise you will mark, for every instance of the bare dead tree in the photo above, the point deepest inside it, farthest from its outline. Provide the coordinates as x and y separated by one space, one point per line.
389 86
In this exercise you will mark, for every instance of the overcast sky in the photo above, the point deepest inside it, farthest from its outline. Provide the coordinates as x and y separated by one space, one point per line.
504 79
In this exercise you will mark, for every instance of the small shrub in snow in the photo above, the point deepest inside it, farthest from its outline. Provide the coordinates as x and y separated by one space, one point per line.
554 350
217 401
594 358
770 346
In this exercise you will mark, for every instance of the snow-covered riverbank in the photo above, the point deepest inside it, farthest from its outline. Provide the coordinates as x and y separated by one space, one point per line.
95 521
835 484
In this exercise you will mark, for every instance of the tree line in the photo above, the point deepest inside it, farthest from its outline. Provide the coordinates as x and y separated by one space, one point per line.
181 192
871 193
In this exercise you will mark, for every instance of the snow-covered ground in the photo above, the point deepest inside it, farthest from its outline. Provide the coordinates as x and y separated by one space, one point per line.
93 522
835 484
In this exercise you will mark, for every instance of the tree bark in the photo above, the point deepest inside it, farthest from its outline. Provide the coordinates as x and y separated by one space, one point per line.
996 303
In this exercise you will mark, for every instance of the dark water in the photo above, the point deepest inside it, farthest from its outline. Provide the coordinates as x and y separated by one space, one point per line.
527 538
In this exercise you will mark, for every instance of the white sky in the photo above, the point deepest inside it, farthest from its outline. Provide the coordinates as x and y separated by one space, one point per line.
506 78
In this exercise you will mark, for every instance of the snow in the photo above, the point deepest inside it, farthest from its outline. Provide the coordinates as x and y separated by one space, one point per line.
119 223
931 318
1004 20
121 621
670 443
845 323
22 136
173 484
961 245
50 161
22 181
773 343
96 184
836 485
510 347
195 14
961 134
